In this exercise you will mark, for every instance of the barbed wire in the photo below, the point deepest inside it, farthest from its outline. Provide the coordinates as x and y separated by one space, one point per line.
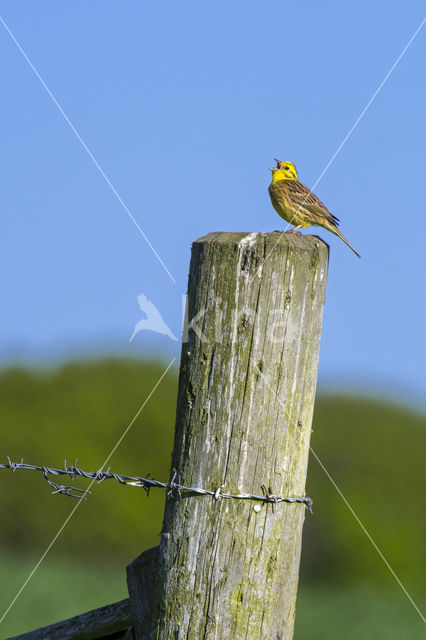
173 486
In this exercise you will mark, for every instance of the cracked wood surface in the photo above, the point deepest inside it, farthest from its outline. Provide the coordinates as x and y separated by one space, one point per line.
245 403
105 623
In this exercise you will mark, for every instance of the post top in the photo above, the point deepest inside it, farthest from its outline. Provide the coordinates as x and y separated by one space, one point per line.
295 241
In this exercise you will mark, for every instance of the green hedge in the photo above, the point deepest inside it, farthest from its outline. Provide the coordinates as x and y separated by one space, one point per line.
372 449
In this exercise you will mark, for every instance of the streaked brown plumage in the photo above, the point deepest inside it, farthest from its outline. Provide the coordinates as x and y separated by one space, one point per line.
294 202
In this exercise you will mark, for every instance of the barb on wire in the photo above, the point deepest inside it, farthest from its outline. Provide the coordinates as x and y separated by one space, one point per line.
173 487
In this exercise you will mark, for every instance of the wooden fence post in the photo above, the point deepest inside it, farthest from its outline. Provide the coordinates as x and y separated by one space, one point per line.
247 383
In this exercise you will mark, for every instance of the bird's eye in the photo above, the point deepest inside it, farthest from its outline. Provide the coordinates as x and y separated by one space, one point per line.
286 168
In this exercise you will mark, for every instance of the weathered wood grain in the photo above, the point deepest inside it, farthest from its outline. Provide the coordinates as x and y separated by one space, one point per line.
111 621
141 580
245 402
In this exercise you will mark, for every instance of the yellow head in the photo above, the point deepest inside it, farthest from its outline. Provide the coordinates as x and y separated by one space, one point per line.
284 171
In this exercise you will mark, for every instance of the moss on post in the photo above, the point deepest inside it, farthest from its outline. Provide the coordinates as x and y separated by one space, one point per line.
245 402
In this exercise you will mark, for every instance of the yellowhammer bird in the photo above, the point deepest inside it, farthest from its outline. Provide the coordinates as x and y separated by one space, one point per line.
297 204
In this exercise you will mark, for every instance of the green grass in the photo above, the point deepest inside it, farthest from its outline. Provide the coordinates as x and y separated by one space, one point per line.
61 589
58 590
356 612
375 453
373 450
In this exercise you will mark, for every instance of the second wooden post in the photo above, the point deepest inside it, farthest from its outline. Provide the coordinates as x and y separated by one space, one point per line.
247 385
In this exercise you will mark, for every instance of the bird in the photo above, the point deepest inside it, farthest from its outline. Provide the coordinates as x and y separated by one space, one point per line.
153 320
294 202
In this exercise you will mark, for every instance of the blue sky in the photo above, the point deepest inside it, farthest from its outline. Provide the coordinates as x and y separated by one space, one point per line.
183 105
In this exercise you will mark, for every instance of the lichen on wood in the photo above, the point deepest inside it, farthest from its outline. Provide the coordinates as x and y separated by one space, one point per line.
245 402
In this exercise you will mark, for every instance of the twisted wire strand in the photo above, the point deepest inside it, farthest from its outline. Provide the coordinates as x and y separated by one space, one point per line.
147 483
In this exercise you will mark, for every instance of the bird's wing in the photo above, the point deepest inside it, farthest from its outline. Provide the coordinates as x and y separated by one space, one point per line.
148 307
142 299
308 200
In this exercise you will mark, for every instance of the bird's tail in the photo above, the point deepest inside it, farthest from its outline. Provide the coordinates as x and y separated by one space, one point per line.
342 237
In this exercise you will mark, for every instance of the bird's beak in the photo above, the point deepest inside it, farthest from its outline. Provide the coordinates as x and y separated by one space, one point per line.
272 169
